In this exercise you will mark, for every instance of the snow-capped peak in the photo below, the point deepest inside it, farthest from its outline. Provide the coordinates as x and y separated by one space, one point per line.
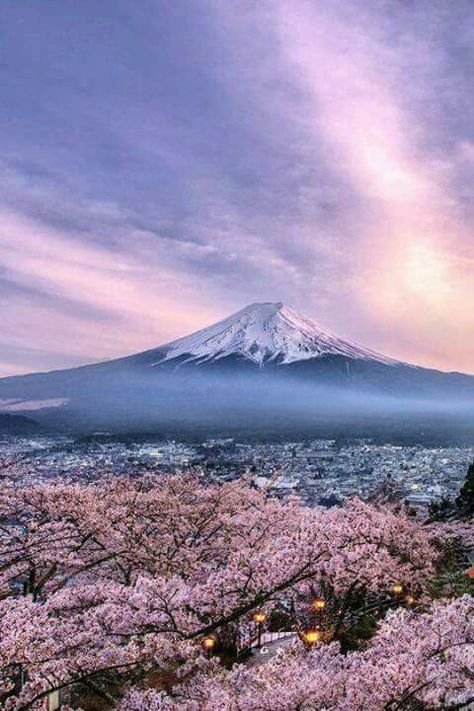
263 332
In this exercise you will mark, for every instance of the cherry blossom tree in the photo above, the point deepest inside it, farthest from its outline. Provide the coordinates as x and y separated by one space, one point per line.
425 658
109 584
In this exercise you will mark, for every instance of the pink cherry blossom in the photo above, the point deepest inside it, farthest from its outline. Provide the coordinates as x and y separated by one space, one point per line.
117 581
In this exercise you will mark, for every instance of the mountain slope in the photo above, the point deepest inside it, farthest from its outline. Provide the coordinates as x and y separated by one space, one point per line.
263 365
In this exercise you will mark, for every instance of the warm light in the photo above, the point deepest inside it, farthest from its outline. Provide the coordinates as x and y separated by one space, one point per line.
425 265
259 618
209 643
397 588
312 636
410 600
319 603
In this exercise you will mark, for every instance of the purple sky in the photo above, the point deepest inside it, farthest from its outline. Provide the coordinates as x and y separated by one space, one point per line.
166 163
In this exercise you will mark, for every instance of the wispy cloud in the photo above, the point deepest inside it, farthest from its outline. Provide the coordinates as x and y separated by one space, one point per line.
410 247
201 158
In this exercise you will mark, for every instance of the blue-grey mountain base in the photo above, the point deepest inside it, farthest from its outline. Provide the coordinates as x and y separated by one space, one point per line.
264 368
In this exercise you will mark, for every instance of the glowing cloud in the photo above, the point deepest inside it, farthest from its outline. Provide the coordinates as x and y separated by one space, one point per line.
315 153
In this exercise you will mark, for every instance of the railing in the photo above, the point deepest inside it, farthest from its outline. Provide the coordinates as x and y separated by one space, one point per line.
250 641
269 637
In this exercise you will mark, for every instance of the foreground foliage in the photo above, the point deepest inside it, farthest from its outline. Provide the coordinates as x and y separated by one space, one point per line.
427 658
109 590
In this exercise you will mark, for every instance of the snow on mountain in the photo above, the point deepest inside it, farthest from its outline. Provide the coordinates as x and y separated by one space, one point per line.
264 332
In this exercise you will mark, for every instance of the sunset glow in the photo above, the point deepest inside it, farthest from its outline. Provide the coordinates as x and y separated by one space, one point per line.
319 154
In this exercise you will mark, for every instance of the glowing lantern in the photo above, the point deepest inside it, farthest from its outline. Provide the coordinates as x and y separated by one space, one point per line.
397 588
312 636
209 643
259 618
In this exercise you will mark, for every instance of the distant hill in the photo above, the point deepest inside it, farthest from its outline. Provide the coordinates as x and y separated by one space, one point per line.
18 424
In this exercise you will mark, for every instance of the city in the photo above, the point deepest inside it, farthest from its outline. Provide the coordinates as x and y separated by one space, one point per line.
319 471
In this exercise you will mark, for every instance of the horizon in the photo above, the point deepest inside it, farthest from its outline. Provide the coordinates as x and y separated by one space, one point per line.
162 162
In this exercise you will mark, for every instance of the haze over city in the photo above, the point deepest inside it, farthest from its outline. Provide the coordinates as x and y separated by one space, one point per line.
163 164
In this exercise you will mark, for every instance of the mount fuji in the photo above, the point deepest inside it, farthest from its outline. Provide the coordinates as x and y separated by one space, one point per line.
265 333
265 366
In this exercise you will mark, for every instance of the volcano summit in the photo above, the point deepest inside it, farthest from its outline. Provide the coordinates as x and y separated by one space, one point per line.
264 333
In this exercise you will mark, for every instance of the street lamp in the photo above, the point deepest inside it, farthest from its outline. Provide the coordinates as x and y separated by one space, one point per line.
259 618
208 644
312 637
317 607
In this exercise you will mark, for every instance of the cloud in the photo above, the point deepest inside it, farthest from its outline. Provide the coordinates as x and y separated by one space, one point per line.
84 299
411 252
315 153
